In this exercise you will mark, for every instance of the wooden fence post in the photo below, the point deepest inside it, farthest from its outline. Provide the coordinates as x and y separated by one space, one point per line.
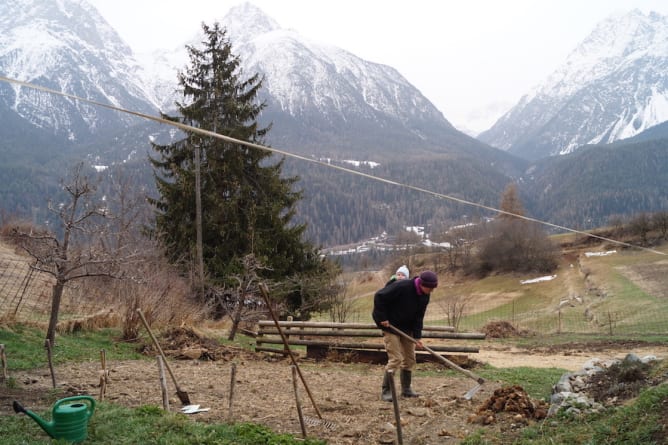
163 384
233 376
298 401
395 405
3 359
287 336
104 374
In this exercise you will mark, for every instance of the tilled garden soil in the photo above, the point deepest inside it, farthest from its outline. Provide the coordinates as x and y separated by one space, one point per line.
346 395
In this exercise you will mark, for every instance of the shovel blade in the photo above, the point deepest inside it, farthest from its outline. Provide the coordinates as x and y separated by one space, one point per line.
183 396
472 392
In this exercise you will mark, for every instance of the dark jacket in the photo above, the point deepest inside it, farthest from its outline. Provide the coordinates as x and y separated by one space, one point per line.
392 280
403 305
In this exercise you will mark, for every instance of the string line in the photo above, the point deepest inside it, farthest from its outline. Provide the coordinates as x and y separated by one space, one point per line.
315 161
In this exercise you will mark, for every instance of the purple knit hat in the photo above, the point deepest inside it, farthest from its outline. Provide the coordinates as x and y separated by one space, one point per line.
429 279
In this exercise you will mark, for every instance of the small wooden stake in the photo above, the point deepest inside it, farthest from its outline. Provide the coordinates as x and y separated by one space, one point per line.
3 359
264 290
395 403
47 345
233 377
163 384
298 402
104 374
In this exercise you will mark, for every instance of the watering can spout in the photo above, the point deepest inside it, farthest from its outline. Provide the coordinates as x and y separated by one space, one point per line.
48 427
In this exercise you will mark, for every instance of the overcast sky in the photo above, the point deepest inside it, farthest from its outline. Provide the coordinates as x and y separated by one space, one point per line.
466 56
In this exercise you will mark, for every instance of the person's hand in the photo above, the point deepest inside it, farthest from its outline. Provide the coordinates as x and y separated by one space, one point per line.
385 323
418 344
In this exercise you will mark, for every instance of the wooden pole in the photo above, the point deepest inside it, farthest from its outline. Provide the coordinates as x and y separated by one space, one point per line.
3 359
104 374
335 326
198 220
298 402
265 294
47 345
163 384
395 404
233 377
287 335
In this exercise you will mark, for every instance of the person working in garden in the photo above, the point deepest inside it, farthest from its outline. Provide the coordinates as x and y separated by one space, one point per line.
402 304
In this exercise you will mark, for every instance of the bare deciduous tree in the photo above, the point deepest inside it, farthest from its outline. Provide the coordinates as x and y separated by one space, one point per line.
640 225
340 306
660 223
72 254
244 301
453 307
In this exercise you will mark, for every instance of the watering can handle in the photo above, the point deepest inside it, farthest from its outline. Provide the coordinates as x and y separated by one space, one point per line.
74 398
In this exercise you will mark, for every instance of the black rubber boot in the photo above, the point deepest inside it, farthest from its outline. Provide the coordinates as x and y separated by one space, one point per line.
386 395
406 390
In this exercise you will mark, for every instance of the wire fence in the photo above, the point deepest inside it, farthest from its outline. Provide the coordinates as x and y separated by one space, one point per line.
26 295
578 318
561 321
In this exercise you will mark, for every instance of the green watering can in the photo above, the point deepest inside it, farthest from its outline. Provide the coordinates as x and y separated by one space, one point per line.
69 418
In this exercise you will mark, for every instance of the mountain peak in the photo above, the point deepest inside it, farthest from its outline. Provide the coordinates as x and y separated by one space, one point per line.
66 45
612 86
617 40
247 20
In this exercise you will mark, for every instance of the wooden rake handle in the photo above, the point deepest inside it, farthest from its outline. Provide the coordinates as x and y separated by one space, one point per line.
439 357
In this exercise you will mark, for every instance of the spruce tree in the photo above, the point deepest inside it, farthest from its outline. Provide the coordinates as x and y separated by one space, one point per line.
247 206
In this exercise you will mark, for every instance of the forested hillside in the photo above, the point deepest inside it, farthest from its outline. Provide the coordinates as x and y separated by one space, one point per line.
587 188
581 190
342 207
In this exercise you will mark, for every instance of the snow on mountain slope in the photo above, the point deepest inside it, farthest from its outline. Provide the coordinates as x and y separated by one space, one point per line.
67 46
315 93
325 84
614 85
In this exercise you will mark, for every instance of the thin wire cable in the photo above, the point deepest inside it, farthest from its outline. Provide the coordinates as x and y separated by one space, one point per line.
315 161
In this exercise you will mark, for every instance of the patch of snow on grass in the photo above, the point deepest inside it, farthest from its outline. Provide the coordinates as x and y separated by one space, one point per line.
539 279
606 253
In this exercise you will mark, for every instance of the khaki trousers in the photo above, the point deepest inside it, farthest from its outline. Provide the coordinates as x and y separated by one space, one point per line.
400 352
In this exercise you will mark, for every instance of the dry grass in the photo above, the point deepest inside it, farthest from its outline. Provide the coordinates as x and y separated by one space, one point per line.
619 293
155 287
102 319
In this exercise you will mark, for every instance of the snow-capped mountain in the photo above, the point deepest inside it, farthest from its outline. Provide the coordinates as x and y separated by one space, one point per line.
67 46
613 86
321 100
324 100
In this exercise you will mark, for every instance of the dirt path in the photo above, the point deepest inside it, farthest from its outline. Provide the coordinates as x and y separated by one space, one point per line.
571 359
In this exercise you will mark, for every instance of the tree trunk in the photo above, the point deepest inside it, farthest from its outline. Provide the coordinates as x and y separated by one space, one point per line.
236 319
55 307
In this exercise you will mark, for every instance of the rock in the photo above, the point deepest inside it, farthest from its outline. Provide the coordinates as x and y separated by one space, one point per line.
387 427
564 384
632 358
418 412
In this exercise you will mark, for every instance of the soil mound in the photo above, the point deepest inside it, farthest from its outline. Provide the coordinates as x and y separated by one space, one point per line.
512 400
185 343
501 329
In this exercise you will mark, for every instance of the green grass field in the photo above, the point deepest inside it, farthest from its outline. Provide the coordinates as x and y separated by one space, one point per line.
619 294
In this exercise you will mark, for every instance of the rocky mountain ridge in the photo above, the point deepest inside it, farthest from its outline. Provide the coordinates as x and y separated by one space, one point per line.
613 86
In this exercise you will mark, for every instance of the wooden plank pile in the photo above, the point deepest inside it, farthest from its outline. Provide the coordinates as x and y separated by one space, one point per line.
359 341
